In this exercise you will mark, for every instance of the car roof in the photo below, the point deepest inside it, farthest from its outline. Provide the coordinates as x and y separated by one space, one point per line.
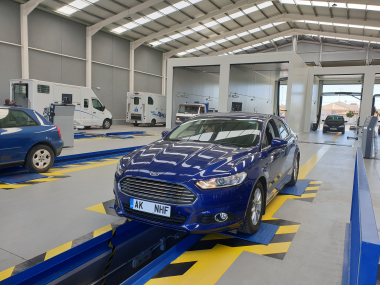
13 107
240 115
335 115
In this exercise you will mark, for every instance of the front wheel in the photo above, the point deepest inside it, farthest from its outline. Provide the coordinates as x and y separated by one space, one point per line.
39 158
153 123
254 212
294 179
106 124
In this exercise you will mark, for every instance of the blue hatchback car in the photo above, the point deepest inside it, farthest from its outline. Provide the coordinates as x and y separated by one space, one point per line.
27 138
213 173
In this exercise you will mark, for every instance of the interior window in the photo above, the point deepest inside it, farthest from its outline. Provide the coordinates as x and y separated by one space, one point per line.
136 100
16 119
150 101
43 89
85 103
270 134
97 105
283 132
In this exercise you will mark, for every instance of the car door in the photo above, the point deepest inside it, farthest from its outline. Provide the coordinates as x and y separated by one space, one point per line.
273 158
97 112
17 133
86 115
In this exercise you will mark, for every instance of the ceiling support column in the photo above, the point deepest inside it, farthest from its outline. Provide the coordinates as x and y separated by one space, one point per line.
294 43
164 68
131 68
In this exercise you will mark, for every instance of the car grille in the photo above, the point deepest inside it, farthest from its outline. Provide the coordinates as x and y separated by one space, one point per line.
157 191
136 117
174 220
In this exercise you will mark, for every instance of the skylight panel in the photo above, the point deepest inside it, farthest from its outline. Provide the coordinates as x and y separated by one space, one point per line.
237 15
311 22
118 30
278 39
187 32
373 8
243 34
356 26
224 19
254 30
246 48
142 21
338 5
326 23
191 50
182 53
278 23
176 36
356 6
130 25
266 42
201 47
199 28
221 41
181 5
155 43
168 10
287 1
340 25
165 40
194 1
79 4
238 50
155 15
265 5
210 44
302 2
67 10
372 28
266 26
250 10
257 45
93 1
211 24
232 38
320 3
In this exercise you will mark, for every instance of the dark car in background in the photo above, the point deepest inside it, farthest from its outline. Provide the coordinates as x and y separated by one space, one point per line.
27 138
334 123
213 173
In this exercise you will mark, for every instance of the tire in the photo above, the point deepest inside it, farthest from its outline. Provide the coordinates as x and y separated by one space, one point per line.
39 158
324 131
378 131
153 123
135 124
87 127
255 207
106 124
295 170
343 132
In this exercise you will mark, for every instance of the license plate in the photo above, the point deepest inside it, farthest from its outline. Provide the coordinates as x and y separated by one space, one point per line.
149 207
334 129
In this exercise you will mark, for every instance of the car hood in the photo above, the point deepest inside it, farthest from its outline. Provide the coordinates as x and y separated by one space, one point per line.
182 161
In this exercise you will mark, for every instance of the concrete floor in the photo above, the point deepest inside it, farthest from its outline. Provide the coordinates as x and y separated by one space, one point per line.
40 217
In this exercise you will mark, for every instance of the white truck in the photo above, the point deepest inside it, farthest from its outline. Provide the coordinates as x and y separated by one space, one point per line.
189 110
37 95
146 108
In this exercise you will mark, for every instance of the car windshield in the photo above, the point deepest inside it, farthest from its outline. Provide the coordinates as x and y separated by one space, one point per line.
334 119
188 109
230 131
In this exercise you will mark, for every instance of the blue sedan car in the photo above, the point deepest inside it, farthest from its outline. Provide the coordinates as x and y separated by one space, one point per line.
213 173
27 138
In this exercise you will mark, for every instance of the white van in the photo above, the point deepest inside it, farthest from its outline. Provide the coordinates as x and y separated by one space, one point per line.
146 108
189 110
36 95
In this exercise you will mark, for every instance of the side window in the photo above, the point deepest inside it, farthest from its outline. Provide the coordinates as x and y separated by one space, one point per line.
269 135
150 101
15 119
136 100
85 103
97 105
43 89
282 130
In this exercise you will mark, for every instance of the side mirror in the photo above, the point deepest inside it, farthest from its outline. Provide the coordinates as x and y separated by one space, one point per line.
346 121
103 108
164 134
323 120
278 142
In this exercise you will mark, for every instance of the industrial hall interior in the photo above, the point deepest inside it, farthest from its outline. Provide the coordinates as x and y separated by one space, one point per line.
181 142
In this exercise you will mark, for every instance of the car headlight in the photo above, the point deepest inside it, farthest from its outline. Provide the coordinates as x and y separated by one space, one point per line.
221 182
177 118
342 126
119 169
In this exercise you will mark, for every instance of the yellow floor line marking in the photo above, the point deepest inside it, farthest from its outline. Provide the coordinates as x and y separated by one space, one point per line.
267 249
316 182
309 165
13 186
287 229
312 188
44 180
58 250
97 208
215 236
336 137
6 273
311 195
102 230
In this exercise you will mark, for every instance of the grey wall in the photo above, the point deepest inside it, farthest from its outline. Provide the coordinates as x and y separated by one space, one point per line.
57 51
250 83
198 84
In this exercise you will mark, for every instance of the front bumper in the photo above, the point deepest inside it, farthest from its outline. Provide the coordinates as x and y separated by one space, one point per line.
198 218
333 129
